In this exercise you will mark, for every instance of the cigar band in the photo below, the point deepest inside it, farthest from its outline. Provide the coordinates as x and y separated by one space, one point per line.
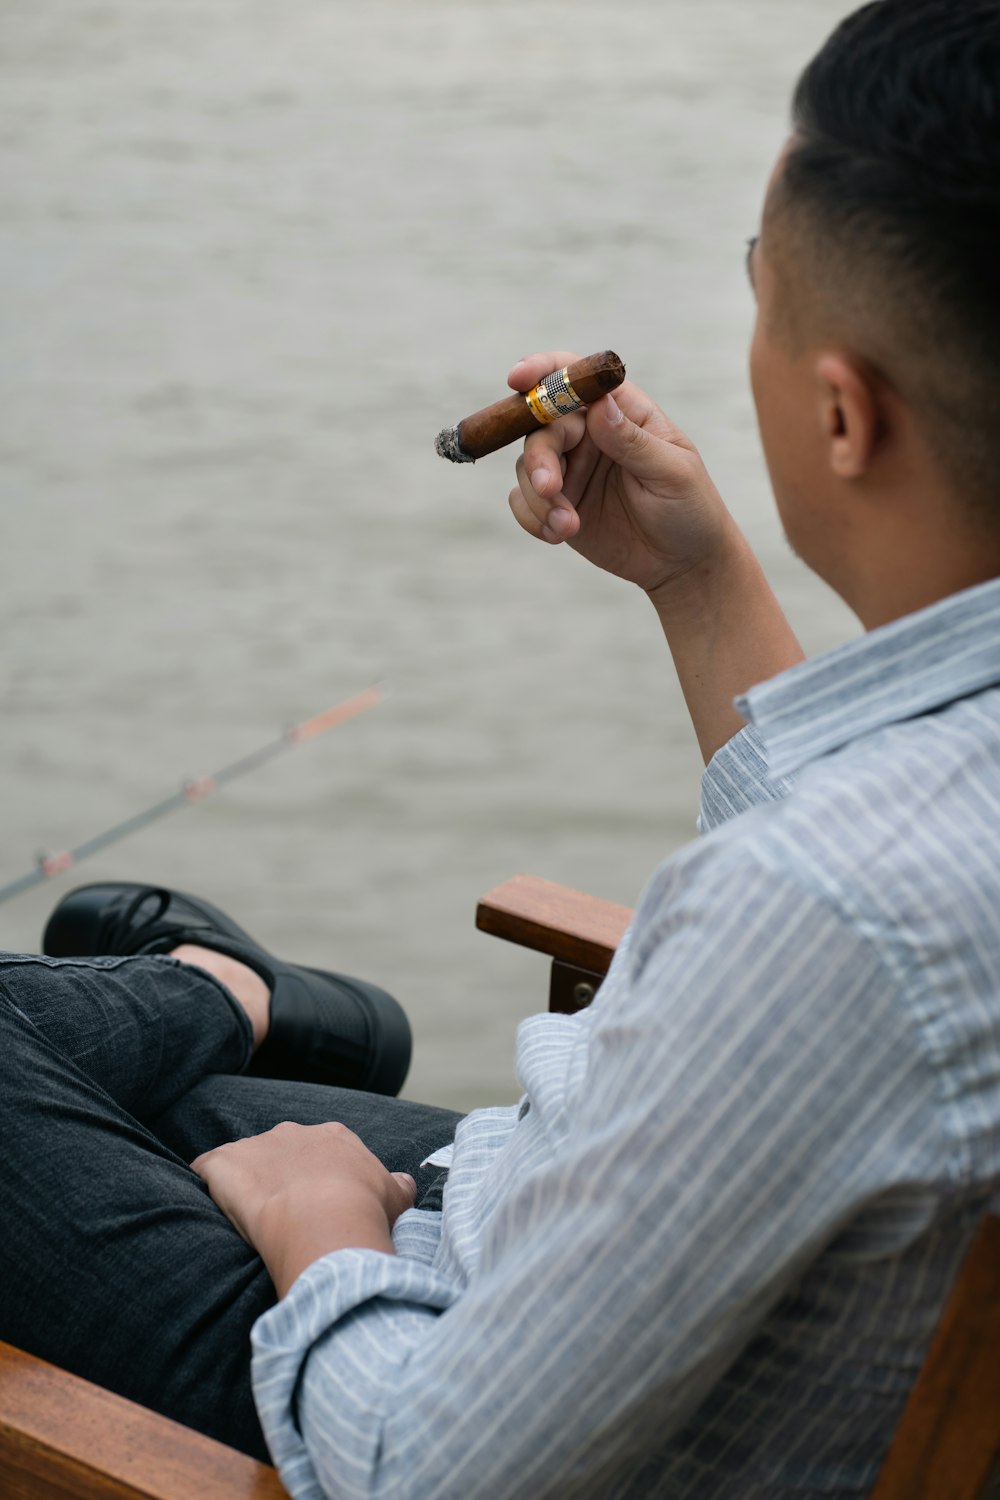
553 397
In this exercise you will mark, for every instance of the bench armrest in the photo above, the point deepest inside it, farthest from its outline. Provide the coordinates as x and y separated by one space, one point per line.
579 932
62 1438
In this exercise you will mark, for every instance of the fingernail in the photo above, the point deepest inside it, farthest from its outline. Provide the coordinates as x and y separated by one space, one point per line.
539 478
558 521
519 366
613 411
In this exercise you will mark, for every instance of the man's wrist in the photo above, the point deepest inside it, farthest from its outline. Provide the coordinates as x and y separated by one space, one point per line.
689 591
726 631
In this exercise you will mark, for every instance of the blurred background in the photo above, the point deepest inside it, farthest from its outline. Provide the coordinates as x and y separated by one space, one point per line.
252 258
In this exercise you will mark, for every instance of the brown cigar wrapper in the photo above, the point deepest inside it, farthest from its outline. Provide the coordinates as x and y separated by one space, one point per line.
505 421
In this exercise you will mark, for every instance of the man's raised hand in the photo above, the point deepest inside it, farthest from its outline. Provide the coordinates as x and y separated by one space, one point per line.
620 482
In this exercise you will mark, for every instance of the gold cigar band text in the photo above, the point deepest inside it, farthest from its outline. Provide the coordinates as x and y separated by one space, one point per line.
553 397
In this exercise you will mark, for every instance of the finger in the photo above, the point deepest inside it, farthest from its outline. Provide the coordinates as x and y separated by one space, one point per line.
530 523
540 517
545 453
525 512
202 1164
408 1184
404 1195
641 447
644 412
211 1167
526 518
534 367
539 504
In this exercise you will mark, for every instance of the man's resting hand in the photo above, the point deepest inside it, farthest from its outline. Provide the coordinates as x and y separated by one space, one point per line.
299 1191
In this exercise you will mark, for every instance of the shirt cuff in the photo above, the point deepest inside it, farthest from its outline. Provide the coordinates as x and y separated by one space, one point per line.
328 1297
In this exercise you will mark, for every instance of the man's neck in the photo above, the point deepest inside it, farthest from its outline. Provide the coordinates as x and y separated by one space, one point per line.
912 554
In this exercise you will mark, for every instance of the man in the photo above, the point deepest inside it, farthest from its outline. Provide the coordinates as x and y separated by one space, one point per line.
704 1255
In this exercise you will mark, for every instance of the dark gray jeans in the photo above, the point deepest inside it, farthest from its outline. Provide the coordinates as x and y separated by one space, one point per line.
114 1261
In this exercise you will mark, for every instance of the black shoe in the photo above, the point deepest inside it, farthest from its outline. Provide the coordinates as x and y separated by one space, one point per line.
325 1028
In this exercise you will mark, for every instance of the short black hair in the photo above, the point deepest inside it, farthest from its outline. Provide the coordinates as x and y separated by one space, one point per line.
895 162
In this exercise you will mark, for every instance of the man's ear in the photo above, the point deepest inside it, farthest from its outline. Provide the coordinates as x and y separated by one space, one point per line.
849 414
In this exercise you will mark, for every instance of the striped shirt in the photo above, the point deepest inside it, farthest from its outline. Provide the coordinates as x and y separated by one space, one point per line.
704 1255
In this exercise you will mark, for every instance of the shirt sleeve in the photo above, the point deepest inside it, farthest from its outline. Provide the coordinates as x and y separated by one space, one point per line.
754 1082
736 779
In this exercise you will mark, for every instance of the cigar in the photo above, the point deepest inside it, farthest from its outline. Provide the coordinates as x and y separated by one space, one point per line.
505 421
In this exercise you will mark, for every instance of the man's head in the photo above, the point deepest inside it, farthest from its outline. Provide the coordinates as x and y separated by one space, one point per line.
878 273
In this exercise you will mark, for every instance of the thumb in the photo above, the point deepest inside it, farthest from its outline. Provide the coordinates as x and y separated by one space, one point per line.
408 1186
642 453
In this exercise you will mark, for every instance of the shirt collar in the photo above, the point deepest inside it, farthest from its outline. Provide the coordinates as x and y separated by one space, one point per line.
906 668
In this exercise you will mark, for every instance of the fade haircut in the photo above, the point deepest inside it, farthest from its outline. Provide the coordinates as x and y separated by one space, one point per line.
891 188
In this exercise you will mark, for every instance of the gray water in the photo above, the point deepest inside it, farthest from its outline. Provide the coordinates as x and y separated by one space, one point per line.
253 257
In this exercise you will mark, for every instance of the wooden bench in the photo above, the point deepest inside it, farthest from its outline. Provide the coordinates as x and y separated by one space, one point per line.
62 1438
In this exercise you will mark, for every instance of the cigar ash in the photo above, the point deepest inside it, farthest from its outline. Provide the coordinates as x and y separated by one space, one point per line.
447 446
